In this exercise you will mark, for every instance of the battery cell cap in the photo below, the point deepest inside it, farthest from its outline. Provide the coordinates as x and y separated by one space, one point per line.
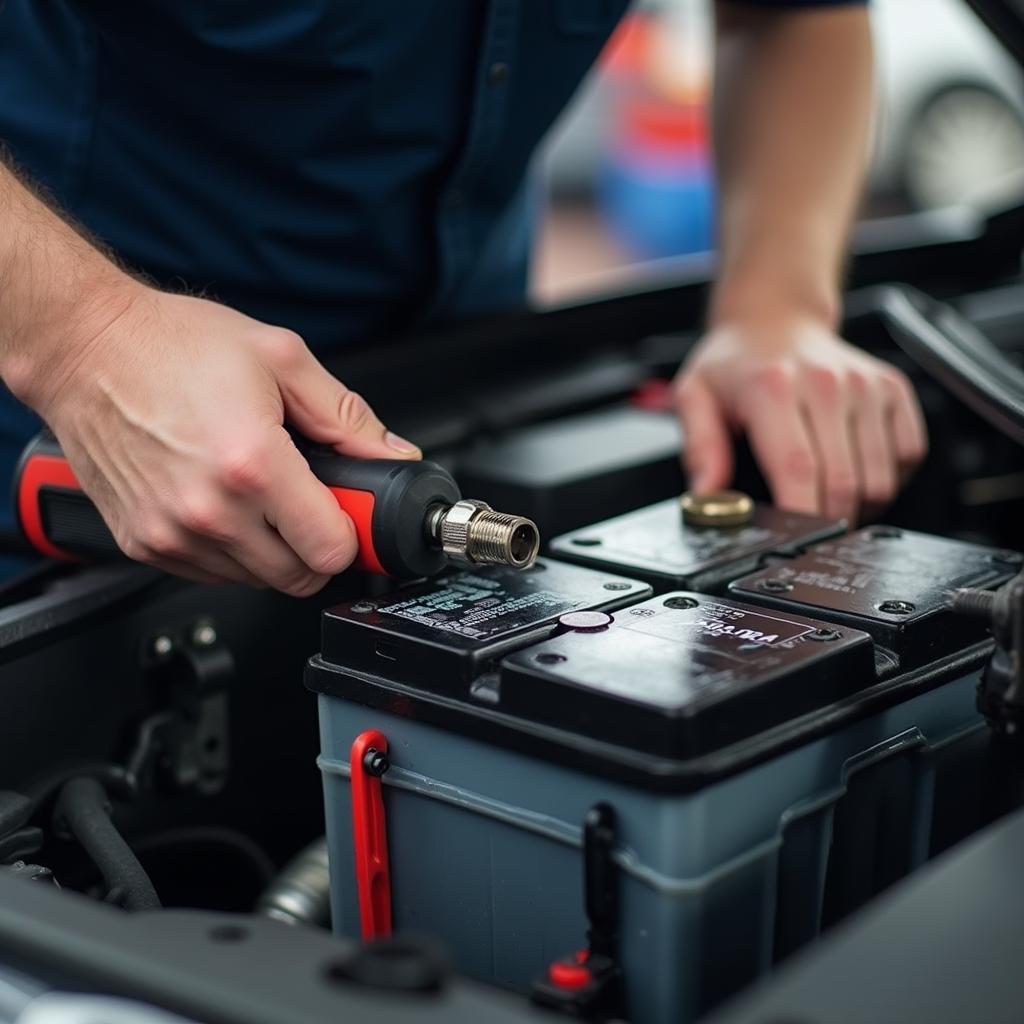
719 508
585 622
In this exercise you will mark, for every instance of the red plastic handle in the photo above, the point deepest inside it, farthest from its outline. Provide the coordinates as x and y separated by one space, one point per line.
373 871
359 506
53 471
41 471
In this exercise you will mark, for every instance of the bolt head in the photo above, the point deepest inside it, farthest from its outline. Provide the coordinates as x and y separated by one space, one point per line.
897 607
680 602
375 762
364 606
162 645
825 635
551 659
204 635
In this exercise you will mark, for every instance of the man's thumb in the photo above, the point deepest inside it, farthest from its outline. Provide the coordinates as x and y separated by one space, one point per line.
323 409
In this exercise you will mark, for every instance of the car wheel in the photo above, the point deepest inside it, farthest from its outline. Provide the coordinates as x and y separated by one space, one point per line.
965 146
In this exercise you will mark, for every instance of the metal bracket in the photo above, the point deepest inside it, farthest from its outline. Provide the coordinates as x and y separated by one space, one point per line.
185 746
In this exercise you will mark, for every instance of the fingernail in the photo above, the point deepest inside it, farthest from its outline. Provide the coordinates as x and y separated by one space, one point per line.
399 444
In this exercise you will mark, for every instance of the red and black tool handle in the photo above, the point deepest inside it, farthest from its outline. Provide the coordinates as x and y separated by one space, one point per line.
387 500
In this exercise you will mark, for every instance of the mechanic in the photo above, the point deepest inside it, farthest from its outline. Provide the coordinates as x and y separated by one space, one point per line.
334 171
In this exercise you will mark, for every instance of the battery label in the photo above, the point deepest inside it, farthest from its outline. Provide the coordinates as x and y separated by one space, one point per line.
481 608
656 540
714 620
868 571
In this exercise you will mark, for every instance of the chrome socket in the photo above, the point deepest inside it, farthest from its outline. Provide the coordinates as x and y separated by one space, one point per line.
470 532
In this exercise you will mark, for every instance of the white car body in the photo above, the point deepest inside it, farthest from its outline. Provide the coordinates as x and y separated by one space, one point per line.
924 48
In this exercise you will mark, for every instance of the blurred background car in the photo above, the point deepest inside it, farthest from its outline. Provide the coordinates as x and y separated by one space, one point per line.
629 168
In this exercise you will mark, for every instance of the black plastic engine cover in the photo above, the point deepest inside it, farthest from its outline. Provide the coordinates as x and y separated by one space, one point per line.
684 674
654 544
444 632
892 583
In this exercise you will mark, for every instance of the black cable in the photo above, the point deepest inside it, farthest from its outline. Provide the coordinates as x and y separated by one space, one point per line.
15 810
83 809
21 844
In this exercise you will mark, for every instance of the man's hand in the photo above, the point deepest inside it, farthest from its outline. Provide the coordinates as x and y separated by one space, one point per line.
171 412
835 430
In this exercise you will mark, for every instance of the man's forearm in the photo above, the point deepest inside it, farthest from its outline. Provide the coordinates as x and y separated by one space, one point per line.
792 119
56 289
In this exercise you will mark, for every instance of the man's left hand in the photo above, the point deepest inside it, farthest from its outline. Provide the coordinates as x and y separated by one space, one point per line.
835 430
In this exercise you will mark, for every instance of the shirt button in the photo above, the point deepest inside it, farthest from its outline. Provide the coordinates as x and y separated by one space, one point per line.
498 72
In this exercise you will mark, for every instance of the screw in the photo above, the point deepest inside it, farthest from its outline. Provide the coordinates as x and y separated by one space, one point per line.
204 635
375 762
680 602
618 586
824 635
776 586
163 645
551 659
364 606
897 607
886 533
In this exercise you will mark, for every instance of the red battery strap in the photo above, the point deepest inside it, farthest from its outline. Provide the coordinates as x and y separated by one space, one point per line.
373 873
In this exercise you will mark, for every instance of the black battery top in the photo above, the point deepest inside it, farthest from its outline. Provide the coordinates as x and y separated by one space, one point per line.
654 544
685 674
441 633
893 583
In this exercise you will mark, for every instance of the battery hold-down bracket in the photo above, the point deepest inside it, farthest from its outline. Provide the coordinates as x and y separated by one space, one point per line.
184 746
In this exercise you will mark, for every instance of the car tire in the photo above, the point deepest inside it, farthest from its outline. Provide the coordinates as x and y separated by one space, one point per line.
965 145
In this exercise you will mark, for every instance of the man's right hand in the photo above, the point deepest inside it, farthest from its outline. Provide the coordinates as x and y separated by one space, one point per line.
171 410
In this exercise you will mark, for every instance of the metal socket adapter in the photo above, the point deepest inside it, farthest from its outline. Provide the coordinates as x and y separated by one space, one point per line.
470 532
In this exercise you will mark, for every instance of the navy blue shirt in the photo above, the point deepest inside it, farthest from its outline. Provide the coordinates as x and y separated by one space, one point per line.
346 168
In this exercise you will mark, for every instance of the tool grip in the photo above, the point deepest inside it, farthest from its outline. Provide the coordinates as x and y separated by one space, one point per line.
385 499
56 516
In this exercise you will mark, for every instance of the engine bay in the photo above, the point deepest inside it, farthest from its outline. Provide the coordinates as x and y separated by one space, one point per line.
625 783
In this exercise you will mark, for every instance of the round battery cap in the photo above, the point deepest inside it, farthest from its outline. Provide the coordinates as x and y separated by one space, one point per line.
719 508
585 622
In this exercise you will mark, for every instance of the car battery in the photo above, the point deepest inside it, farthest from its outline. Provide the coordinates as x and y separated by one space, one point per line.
567 472
894 584
453 627
723 738
656 545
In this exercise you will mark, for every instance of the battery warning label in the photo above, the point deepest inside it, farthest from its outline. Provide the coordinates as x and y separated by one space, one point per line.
481 608
716 621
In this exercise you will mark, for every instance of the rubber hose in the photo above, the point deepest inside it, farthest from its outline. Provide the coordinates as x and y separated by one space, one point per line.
84 809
